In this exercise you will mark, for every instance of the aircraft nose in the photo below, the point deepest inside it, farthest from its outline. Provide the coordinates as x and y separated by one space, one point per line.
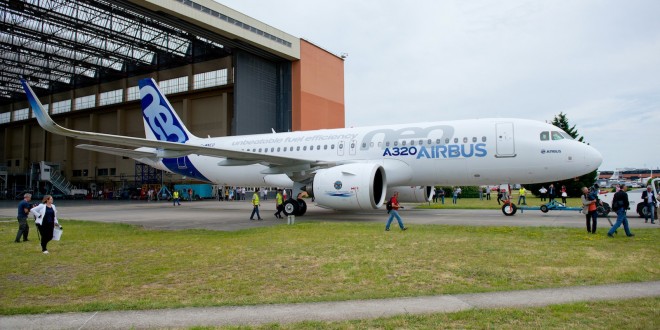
592 157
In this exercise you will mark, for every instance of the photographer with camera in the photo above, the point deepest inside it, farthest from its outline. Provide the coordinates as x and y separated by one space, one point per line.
620 205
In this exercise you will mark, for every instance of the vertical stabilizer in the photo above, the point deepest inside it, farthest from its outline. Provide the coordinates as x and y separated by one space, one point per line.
160 120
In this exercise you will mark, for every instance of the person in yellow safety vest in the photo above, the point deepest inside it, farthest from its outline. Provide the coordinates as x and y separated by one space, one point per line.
175 198
522 197
255 204
279 204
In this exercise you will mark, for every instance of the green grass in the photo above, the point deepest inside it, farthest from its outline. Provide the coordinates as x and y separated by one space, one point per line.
475 203
621 314
101 266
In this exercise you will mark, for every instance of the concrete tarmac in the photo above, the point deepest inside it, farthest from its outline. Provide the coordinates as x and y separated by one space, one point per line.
232 216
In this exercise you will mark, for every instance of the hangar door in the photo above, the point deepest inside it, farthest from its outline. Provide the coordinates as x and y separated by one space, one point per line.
505 142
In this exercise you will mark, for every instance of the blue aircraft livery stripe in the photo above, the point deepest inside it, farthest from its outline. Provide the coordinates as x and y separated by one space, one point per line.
159 115
183 166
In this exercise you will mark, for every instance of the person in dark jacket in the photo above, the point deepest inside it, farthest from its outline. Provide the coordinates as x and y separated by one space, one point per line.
620 205
649 200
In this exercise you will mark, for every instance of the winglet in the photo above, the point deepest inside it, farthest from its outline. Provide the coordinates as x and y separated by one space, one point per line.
160 120
39 112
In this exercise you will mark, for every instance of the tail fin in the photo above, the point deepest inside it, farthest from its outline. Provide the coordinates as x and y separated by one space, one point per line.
39 112
160 120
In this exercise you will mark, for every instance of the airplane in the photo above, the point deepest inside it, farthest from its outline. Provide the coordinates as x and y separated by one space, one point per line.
347 168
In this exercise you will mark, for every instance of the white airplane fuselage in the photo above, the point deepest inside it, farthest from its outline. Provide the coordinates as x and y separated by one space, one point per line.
465 152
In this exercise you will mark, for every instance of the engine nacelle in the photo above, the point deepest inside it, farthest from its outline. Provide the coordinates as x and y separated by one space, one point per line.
359 186
414 194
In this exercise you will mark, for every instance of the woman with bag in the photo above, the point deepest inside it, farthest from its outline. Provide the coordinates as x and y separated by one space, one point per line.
46 214
589 210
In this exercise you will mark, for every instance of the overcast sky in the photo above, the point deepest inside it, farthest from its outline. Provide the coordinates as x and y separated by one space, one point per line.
598 61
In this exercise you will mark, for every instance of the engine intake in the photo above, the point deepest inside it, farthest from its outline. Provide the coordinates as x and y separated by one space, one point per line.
359 186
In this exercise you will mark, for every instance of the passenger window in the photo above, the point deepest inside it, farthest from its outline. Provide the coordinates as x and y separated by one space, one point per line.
396 143
422 142
437 141
259 149
483 139
272 149
371 144
446 140
474 139
364 145
304 148
325 147
403 143
332 146
429 141
298 148
278 149
556 136
545 136
455 140
387 144
465 140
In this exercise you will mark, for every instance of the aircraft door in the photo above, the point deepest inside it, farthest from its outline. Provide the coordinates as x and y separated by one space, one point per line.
340 148
353 147
181 162
505 142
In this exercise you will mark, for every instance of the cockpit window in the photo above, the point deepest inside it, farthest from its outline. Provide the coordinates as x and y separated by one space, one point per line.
545 136
566 136
557 136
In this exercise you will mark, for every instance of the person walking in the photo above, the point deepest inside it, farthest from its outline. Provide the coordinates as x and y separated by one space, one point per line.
279 204
442 195
255 205
522 192
175 198
46 214
589 210
564 194
481 193
488 193
649 200
455 196
436 194
394 212
23 211
620 205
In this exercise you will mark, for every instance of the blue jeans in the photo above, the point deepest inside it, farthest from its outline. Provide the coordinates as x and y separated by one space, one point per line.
175 201
651 212
443 199
454 200
524 200
620 218
394 214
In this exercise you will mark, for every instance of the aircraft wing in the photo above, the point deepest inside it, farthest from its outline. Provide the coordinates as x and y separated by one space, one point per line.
164 149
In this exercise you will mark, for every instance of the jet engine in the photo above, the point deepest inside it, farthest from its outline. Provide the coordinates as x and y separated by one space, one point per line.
358 186
412 194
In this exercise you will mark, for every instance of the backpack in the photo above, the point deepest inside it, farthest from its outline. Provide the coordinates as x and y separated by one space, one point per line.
388 206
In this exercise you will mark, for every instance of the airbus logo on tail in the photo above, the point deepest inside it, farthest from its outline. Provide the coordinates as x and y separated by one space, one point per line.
161 121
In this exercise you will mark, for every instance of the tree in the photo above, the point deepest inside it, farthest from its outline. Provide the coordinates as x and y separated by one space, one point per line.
574 185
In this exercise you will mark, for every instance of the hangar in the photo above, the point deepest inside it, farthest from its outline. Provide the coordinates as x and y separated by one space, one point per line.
224 72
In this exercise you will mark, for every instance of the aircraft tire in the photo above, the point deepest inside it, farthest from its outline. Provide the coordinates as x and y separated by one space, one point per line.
302 207
291 207
509 209
544 208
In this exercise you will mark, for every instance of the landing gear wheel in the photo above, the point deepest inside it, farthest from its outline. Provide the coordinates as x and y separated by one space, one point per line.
544 208
509 209
302 207
291 207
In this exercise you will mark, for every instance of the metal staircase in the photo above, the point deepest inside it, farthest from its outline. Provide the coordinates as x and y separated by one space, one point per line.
60 182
